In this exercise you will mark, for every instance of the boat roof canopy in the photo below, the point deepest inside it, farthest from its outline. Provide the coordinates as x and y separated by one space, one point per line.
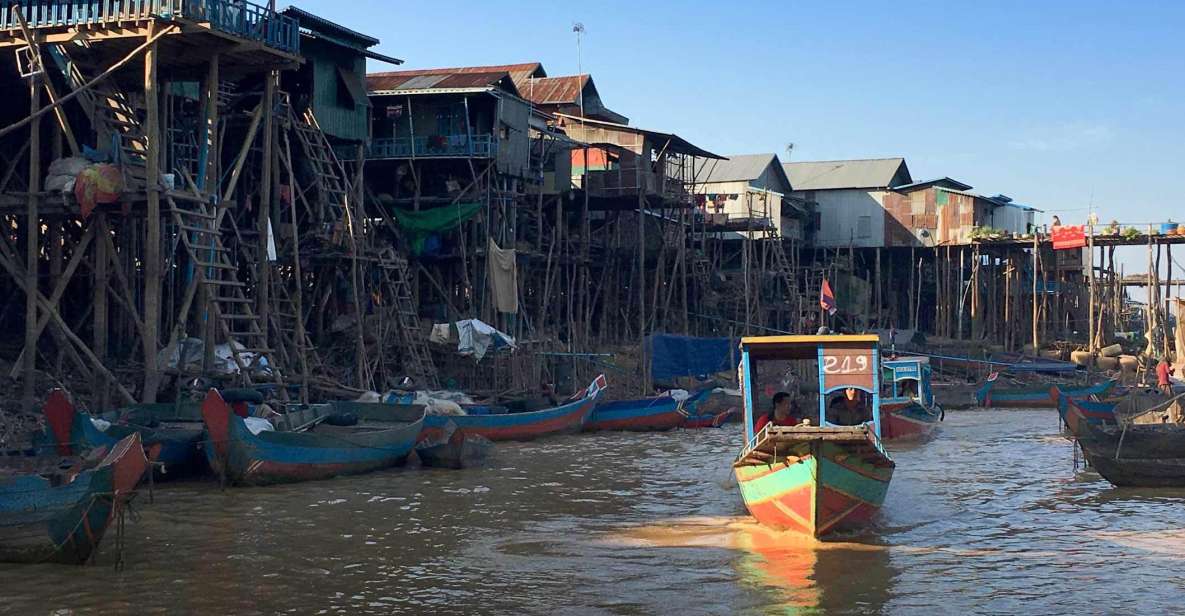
803 347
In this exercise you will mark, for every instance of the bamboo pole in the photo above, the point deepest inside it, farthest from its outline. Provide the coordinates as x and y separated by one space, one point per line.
1092 347
32 231
1036 252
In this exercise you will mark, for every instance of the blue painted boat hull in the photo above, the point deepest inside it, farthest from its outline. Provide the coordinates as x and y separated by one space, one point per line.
269 457
63 518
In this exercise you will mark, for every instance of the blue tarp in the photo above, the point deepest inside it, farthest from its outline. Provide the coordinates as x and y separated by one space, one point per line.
674 356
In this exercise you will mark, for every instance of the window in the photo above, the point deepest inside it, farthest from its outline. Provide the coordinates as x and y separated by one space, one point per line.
864 227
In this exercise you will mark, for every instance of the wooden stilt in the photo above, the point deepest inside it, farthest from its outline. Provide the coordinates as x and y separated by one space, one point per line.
32 231
152 241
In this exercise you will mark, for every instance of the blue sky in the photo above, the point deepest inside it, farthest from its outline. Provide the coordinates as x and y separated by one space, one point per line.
1058 104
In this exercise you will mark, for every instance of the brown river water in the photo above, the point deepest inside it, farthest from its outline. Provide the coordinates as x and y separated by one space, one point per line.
990 517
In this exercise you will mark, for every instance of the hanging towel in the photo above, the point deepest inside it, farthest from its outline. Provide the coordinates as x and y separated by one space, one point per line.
503 278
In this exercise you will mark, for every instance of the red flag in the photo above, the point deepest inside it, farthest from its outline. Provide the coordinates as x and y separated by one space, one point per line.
827 298
1068 236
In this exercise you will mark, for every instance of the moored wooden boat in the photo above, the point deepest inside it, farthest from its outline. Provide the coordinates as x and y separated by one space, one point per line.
711 420
55 509
814 479
457 449
1033 397
302 450
563 419
644 415
440 442
910 412
1132 452
172 448
1091 411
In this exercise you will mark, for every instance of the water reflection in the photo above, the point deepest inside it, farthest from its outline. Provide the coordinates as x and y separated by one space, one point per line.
799 574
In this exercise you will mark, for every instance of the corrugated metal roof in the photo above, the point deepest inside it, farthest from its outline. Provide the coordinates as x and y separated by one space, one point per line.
668 141
554 90
317 23
519 73
944 182
835 174
736 168
424 80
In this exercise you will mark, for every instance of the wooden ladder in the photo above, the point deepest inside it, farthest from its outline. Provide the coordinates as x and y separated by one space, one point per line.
218 276
329 176
110 111
417 358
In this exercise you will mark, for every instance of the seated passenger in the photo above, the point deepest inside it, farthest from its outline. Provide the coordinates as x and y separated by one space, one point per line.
782 414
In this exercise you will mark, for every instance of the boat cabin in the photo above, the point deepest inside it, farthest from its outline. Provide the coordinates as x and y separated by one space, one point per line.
908 377
835 374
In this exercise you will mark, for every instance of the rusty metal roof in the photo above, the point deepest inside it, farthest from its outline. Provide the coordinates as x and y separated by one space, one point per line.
554 90
661 141
438 80
519 73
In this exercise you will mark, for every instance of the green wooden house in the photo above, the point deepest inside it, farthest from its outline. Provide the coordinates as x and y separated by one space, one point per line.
332 81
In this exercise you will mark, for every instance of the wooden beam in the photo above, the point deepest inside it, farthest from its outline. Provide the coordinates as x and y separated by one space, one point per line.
37 113
8 262
35 48
256 116
59 290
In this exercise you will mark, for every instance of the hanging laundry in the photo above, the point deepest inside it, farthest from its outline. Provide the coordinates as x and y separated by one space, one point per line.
503 278
439 334
476 338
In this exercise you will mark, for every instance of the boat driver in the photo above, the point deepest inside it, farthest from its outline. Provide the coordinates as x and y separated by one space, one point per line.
848 409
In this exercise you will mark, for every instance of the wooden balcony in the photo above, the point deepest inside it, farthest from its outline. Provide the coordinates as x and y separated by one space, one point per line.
241 19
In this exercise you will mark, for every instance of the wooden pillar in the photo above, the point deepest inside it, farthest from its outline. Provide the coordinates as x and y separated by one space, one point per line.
976 301
1090 281
102 263
209 184
937 295
877 294
642 291
32 231
263 216
152 253
1036 252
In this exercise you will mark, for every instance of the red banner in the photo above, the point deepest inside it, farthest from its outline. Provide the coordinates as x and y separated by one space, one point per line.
1067 236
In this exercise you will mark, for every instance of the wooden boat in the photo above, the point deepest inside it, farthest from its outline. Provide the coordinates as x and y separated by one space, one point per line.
1034 397
1091 411
453 448
1133 453
440 442
172 447
305 446
58 509
644 415
718 407
910 411
712 420
566 418
813 479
